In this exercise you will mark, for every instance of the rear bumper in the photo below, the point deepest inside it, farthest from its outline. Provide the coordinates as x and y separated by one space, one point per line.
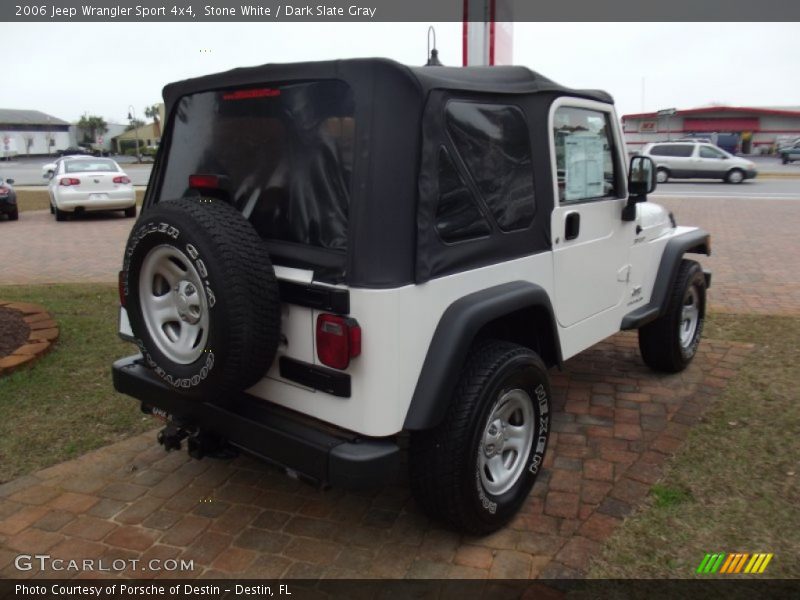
268 432
114 200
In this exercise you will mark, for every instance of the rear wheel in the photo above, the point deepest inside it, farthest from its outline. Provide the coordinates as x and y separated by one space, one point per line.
476 468
60 214
130 212
662 176
670 342
201 296
14 214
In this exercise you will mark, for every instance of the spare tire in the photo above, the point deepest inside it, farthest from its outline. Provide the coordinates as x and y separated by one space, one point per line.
201 296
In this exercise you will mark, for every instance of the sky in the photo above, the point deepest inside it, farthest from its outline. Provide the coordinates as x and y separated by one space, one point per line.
68 69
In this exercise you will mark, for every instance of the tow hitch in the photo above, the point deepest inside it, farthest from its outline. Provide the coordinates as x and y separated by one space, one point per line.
171 437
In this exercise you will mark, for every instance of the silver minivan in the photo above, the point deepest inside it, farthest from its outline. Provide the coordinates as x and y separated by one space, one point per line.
692 160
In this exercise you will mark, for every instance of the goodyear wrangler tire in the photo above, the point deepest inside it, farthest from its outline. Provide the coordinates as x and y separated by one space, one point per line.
201 296
475 469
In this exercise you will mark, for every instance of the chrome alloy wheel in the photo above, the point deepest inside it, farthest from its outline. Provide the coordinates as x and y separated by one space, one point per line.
506 441
690 316
173 304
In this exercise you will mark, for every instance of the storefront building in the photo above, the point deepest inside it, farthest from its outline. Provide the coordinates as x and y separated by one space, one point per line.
739 130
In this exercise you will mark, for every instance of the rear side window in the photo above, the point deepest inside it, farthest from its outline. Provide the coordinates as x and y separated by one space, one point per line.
709 152
284 153
458 217
493 142
678 150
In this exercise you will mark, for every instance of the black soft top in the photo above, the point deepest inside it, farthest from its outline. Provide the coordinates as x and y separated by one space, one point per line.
398 115
370 71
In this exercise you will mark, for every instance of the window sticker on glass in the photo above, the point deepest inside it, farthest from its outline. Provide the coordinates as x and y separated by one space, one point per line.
584 166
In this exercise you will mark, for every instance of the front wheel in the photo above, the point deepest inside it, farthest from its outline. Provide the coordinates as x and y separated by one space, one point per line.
670 342
735 176
475 469
662 176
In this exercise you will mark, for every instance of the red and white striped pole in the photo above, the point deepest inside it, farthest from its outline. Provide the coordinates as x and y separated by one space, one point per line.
488 32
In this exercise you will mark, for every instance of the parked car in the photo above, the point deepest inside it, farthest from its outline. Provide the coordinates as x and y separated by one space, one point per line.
691 160
8 199
314 297
73 151
79 184
790 153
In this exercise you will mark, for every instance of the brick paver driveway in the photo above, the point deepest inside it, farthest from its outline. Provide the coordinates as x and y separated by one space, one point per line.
615 424
37 249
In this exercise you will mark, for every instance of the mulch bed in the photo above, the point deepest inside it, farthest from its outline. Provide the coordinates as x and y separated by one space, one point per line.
13 331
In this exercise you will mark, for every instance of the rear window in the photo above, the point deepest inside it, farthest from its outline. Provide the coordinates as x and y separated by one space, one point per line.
681 150
284 153
86 166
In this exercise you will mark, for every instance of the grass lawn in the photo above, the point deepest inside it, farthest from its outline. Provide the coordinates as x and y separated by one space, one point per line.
65 405
734 486
40 199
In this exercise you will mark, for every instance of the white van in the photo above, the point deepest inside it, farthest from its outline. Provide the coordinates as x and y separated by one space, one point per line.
692 160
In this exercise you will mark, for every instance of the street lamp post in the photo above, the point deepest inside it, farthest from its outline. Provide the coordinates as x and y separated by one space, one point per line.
132 119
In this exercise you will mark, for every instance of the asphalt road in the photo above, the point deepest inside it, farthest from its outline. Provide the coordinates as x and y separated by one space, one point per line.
776 189
28 171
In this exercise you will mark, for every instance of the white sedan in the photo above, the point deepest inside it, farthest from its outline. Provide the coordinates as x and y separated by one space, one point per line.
82 183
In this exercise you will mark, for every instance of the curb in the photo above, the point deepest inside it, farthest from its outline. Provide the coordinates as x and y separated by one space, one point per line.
43 335
778 176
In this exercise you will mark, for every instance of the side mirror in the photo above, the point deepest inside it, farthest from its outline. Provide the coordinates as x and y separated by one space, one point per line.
641 181
48 170
641 176
9 181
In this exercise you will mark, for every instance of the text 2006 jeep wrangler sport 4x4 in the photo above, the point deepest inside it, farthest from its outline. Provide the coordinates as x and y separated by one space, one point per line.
333 254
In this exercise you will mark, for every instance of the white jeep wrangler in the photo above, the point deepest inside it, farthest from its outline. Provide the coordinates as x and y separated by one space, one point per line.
333 254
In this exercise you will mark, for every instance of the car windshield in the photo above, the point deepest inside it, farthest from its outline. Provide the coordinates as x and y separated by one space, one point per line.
83 166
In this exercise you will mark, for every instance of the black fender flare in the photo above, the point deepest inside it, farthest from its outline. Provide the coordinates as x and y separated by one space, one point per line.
451 342
697 241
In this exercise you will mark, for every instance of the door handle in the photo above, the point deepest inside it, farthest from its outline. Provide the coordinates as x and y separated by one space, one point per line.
572 226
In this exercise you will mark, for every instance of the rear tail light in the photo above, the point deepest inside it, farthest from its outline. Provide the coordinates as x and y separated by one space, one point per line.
67 181
204 181
122 179
338 340
121 288
3 191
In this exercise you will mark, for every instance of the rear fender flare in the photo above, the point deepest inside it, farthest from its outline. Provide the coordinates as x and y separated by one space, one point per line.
454 335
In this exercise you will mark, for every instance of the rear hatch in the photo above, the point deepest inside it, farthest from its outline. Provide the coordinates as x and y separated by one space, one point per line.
282 153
